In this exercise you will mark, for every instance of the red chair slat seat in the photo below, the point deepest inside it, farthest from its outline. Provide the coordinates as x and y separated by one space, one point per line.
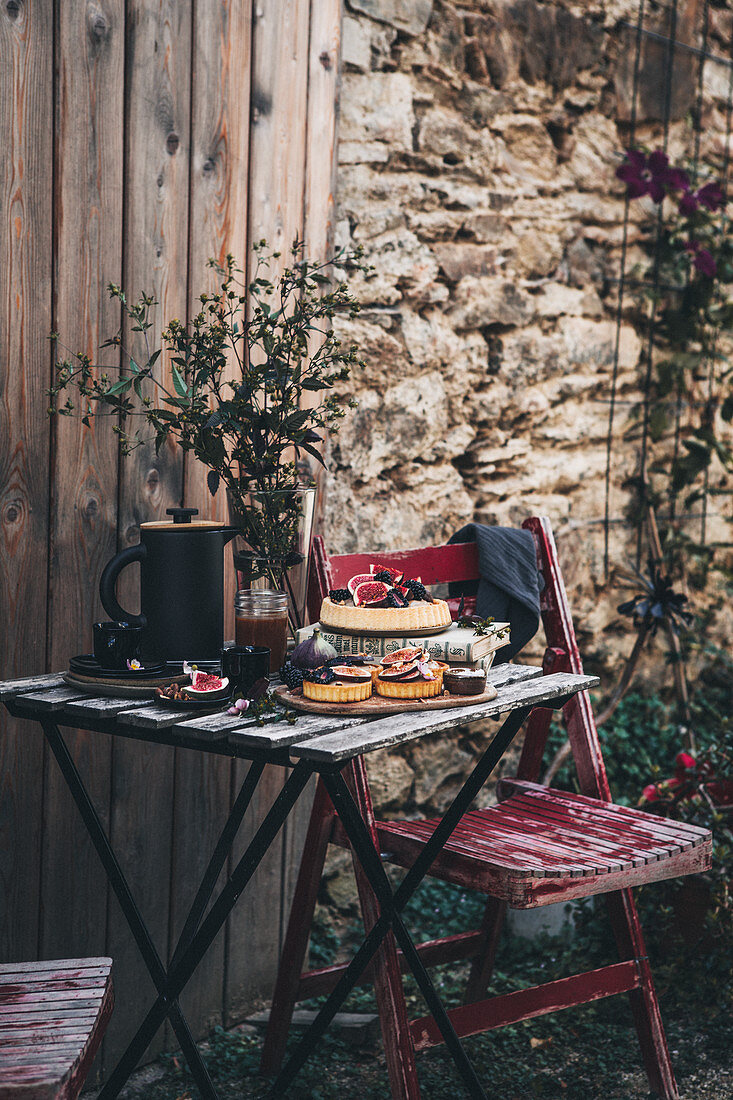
536 846
541 845
53 1016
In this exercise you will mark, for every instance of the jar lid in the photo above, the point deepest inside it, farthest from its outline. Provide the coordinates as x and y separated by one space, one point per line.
260 601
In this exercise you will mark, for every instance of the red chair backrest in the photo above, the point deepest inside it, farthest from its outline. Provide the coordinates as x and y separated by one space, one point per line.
459 562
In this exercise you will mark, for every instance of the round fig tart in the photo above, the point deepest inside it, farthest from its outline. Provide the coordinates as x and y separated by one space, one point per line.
417 679
339 684
383 602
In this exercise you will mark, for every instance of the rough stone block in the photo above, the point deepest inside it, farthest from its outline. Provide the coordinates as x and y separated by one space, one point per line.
377 107
393 428
436 763
410 16
390 779
459 258
480 301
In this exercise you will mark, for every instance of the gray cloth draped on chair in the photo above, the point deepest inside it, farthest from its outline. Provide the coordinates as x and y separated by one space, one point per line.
509 588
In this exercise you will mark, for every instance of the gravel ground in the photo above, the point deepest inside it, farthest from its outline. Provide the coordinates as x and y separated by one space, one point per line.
708 1081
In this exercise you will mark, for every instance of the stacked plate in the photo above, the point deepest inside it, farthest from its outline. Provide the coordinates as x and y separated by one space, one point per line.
86 665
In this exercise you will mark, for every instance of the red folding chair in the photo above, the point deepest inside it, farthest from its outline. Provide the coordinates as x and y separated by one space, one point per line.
536 846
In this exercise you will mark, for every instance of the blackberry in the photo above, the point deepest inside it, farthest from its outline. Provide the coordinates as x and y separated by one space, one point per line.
322 675
339 595
291 676
385 576
419 591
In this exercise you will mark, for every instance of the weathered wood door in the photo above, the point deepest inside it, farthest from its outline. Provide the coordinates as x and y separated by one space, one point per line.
140 138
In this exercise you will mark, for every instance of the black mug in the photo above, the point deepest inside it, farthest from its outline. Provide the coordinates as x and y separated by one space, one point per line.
243 666
117 643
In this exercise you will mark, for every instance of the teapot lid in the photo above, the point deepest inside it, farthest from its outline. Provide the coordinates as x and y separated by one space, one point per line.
182 521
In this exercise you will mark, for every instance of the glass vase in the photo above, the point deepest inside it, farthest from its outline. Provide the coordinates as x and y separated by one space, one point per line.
274 547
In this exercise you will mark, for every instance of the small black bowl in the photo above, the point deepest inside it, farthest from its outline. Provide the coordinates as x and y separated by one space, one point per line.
117 643
244 665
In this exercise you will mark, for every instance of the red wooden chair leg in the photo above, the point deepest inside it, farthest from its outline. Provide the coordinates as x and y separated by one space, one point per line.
482 966
396 1036
644 1004
294 950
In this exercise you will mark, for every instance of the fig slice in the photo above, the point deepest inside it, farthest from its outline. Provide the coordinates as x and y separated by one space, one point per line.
398 670
351 672
410 653
360 578
397 575
370 593
205 684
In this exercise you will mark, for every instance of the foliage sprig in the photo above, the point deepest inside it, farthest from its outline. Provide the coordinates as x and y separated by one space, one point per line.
238 370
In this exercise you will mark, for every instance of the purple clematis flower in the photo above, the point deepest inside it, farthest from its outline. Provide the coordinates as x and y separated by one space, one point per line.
705 263
711 196
633 172
658 164
688 204
677 179
702 259
651 175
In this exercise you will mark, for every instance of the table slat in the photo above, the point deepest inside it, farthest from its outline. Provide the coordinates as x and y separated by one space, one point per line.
10 688
96 706
47 702
213 727
281 734
155 716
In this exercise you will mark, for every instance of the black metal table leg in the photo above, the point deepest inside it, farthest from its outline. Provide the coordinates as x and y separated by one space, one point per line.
361 843
391 905
132 914
189 958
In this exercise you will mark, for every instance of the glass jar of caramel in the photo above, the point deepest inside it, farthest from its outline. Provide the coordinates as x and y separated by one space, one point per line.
261 618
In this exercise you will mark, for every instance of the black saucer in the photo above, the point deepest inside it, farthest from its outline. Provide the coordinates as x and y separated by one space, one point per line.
87 665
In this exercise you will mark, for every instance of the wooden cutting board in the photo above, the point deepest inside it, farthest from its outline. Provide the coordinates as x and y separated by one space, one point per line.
378 706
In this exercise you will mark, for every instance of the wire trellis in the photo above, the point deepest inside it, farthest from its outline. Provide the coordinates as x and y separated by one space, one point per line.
659 24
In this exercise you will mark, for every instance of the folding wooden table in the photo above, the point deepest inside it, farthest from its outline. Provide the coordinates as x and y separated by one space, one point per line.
312 745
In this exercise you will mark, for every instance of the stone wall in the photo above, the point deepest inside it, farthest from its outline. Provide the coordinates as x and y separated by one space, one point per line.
478 144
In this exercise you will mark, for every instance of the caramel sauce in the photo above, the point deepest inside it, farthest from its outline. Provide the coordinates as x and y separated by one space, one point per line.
264 629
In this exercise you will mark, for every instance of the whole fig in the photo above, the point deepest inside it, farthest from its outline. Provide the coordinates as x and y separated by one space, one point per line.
312 652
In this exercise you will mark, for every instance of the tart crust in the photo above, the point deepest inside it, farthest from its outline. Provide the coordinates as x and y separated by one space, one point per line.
417 616
412 689
337 692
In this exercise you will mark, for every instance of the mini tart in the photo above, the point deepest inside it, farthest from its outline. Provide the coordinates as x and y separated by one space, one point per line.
418 615
412 689
337 692
465 681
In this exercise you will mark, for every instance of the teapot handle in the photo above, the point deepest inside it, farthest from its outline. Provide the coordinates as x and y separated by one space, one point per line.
108 582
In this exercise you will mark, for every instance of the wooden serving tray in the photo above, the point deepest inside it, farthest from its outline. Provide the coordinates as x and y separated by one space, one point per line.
378 706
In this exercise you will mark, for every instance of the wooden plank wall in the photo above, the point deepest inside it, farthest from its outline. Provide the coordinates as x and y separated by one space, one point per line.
142 137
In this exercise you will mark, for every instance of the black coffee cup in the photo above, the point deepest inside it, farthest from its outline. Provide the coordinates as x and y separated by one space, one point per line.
117 643
243 666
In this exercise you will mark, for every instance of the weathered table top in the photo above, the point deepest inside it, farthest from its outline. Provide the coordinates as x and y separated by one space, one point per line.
319 739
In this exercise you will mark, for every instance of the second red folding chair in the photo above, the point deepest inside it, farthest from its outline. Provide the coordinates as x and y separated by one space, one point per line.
535 846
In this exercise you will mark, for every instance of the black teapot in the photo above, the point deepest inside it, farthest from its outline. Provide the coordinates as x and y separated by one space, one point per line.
181 587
